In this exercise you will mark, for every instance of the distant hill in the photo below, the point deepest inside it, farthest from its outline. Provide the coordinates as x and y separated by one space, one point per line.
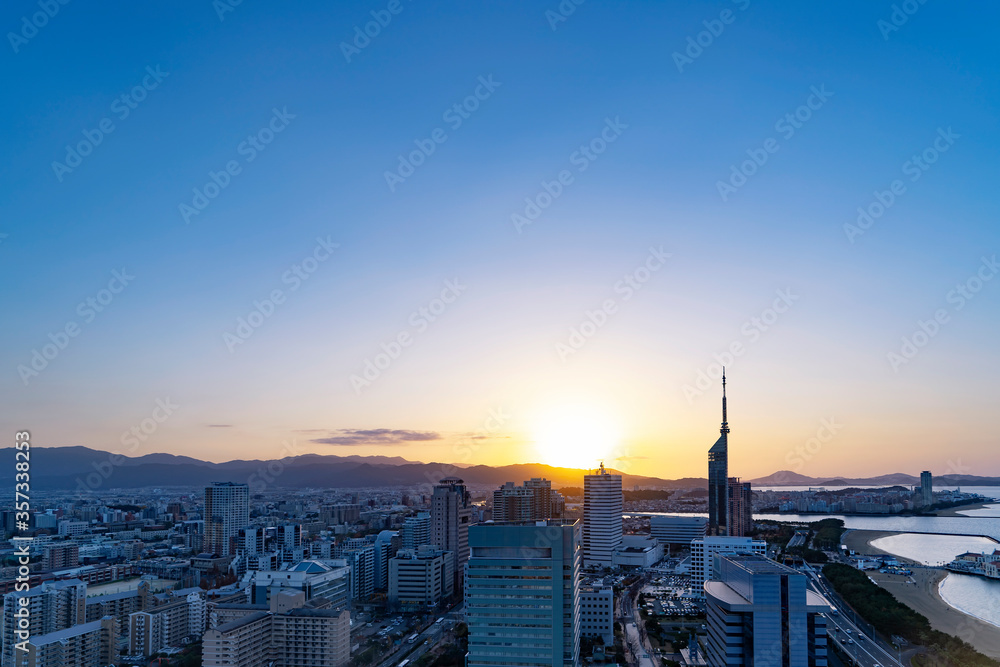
789 478
70 467
81 467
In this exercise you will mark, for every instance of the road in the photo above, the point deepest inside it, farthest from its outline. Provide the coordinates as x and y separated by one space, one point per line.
425 642
867 652
639 652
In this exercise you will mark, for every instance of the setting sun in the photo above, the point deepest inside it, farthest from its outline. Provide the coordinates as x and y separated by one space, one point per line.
576 437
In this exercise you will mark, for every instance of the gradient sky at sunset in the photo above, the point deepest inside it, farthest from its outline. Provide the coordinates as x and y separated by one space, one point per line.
490 363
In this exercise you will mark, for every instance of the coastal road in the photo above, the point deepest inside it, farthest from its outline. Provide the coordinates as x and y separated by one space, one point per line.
867 652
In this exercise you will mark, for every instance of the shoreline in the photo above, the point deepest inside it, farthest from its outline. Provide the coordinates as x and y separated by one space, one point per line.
954 511
921 593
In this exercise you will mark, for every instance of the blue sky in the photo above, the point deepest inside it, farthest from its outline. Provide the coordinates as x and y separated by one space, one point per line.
497 344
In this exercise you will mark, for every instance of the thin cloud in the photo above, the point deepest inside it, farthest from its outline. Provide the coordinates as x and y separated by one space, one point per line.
350 437
220 425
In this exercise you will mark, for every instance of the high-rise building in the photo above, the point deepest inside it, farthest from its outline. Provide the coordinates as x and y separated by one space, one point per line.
677 529
289 536
602 517
703 554
386 546
416 531
522 594
227 509
718 475
451 514
740 508
926 488
251 540
420 579
763 613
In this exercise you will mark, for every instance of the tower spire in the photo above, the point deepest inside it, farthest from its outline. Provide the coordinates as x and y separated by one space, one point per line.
725 422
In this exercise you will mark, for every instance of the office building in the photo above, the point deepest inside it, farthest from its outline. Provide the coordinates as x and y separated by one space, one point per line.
718 475
740 508
762 613
386 546
926 488
602 517
677 530
597 612
420 579
251 540
312 577
289 536
360 557
451 515
703 553
637 552
83 645
227 510
416 531
522 594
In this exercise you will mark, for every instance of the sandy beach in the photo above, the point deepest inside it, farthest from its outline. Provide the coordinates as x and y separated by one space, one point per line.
957 511
920 592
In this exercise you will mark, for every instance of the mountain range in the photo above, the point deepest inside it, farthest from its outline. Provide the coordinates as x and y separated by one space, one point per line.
81 467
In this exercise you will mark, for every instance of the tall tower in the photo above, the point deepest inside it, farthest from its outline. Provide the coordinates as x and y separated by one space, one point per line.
602 517
926 488
718 475
227 509
451 514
